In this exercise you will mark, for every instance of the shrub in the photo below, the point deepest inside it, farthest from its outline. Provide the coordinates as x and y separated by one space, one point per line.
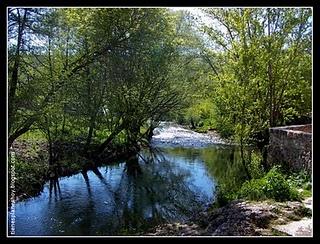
254 165
272 186
223 196
253 190
300 179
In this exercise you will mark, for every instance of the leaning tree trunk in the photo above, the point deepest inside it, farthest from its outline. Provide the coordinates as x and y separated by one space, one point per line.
109 139
15 71
132 166
193 126
20 131
90 132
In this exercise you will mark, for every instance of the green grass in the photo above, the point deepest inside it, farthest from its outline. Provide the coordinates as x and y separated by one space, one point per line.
271 186
33 135
274 185
30 176
201 129
306 193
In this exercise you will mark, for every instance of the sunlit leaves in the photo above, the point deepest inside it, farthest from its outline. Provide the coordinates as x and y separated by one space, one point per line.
266 79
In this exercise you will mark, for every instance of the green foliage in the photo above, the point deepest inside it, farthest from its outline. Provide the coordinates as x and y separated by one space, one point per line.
262 68
200 113
224 127
276 184
254 165
302 181
95 70
108 68
34 135
253 190
30 175
224 195
272 186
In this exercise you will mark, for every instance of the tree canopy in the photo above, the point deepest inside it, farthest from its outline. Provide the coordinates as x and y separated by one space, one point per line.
102 75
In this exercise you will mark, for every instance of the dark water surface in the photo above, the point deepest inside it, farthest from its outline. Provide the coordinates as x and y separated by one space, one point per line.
112 202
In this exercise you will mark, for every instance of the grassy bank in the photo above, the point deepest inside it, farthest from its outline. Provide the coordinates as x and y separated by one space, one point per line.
29 158
275 184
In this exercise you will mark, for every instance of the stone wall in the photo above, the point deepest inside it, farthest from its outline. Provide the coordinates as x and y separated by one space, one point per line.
291 146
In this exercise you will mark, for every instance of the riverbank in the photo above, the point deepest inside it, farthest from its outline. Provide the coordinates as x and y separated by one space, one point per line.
246 218
31 155
29 159
31 164
236 218
241 217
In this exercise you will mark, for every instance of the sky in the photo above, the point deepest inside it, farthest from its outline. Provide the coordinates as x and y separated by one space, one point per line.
196 12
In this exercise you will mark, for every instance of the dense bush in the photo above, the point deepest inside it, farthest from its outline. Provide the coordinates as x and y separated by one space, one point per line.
29 176
224 195
272 186
254 164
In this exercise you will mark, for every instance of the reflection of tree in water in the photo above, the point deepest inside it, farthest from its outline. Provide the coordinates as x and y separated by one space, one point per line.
223 163
88 212
147 193
71 217
155 195
55 186
225 166
190 155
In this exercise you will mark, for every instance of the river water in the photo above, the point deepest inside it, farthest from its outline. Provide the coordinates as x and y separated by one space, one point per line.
177 181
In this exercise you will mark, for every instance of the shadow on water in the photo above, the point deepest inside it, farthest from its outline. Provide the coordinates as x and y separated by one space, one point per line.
55 186
86 179
157 194
133 167
131 196
223 163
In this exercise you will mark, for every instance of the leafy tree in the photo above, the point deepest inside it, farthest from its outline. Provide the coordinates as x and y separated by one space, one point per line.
266 59
102 76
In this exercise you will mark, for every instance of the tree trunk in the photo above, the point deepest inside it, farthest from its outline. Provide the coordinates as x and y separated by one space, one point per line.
150 133
193 126
109 139
90 132
133 167
272 115
15 71
50 147
243 159
63 122
20 131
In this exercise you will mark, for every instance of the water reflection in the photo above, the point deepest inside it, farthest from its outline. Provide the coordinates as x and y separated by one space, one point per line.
86 179
223 163
131 196
54 184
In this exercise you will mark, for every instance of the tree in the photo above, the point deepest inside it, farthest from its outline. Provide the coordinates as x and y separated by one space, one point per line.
139 75
266 57
95 70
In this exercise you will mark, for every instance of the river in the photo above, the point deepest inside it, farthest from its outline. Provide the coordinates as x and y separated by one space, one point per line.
177 181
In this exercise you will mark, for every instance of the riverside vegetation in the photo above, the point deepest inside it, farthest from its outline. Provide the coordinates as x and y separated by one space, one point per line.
87 87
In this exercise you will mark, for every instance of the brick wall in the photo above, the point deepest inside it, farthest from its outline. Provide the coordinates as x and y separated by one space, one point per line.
292 146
